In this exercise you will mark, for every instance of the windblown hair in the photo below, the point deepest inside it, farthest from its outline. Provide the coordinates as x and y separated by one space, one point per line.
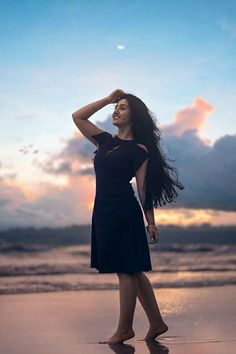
161 179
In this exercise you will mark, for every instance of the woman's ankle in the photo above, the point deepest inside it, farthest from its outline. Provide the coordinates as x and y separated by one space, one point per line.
157 323
125 329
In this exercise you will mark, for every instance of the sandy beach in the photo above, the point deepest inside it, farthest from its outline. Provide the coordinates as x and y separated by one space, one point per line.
201 320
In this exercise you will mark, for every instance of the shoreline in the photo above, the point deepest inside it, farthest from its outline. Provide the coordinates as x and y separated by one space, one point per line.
77 320
116 288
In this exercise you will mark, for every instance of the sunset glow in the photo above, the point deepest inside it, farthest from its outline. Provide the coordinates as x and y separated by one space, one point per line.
189 217
52 64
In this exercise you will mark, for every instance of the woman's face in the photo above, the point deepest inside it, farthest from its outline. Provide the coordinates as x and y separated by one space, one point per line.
121 114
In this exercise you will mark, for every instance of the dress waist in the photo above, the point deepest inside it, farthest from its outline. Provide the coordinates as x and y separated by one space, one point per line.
114 188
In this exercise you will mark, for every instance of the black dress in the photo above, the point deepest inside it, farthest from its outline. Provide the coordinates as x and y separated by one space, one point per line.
118 236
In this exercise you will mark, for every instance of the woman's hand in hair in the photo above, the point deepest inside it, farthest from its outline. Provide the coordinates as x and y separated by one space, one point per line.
114 95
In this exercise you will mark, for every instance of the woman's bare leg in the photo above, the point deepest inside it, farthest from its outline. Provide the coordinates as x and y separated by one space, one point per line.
148 301
128 296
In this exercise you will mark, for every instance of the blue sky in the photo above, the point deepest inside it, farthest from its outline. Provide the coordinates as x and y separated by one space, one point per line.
59 55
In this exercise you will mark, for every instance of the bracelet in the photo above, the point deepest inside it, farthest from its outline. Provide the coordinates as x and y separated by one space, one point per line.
153 225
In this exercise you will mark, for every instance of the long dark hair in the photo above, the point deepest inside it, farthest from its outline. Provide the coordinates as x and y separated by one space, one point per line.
161 179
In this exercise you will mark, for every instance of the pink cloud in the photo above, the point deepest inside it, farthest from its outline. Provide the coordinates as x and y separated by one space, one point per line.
190 118
46 204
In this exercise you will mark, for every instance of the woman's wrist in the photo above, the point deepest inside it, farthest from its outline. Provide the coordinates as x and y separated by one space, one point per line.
97 105
151 225
106 100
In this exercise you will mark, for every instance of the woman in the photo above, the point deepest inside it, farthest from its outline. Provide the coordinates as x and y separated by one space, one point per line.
119 243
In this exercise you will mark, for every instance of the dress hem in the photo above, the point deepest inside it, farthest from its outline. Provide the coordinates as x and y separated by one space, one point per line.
122 270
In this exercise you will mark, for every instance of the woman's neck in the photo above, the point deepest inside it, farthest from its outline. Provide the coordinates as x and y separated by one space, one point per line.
125 134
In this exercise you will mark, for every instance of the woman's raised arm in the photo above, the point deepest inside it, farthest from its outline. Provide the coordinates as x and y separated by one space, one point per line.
80 117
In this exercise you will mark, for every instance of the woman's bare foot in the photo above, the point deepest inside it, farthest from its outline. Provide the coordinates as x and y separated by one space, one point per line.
120 337
156 331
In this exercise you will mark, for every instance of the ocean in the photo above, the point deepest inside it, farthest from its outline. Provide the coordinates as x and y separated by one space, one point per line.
44 268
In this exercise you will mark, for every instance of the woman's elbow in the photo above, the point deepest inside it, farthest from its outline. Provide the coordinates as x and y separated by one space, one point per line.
76 120
74 116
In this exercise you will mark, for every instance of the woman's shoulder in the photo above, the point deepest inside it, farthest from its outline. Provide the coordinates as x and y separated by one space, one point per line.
140 148
102 133
102 137
143 147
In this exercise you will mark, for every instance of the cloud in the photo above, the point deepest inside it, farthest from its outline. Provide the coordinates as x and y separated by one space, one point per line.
54 206
207 172
63 167
72 160
229 28
76 157
120 46
190 118
6 175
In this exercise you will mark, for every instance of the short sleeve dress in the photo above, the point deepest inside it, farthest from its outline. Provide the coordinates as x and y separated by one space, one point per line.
118 235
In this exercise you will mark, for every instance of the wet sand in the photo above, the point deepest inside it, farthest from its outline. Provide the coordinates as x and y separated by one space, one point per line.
200 320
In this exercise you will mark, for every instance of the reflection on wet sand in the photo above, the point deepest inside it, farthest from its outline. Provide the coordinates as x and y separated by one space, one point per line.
75 321
154 347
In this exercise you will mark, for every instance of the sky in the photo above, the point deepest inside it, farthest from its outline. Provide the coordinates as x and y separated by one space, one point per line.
56 56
